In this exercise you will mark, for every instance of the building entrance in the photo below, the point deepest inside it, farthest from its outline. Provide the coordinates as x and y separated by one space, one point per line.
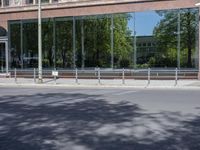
3 55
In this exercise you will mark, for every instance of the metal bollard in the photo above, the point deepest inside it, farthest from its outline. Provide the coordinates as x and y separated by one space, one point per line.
176 77
76 76
55 78
123 79
149 76
34 75
15 74
99 76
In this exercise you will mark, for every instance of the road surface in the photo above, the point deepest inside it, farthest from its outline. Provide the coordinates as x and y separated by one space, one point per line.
99 119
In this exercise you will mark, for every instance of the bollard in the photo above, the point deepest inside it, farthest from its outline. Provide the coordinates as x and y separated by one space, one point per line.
123 80
76 76
15 75
176 77
55 77
99 76
149 76
34 75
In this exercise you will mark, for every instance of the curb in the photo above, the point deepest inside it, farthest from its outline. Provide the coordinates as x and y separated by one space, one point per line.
96 86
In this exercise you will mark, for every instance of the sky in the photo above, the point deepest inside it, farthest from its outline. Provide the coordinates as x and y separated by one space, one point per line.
145 22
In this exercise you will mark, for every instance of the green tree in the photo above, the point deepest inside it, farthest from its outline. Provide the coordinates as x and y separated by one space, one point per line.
166 33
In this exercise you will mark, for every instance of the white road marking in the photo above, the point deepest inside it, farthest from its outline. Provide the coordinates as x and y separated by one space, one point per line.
125 92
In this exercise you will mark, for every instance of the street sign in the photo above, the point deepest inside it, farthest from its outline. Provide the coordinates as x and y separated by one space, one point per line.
55 73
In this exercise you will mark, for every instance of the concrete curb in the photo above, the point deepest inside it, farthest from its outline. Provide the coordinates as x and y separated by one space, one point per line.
95 86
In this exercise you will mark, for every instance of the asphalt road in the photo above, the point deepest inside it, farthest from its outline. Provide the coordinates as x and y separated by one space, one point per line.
99 119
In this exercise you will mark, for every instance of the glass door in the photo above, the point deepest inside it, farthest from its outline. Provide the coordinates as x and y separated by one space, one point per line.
2 56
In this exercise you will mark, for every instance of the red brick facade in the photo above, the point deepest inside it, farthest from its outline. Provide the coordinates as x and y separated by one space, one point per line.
88 8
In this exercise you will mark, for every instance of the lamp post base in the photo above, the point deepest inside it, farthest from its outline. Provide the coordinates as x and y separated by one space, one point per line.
40 81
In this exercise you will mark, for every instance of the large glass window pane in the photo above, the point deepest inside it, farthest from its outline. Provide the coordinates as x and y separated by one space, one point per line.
156 38
2 56
64 43
30 44
48 50
15 46
189 38
96 41
165 33
123 40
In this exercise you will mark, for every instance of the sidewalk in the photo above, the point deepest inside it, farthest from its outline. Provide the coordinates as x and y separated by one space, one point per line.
102 83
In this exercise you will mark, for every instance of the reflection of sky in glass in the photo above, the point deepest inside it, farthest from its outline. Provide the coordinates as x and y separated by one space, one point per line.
145 22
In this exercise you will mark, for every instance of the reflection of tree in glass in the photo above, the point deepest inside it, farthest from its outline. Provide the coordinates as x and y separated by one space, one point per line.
166 33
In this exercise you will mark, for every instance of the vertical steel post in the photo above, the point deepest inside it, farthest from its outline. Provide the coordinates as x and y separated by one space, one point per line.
15 74
76 76
34 75
149 76
176 76
9 46
178 39
6 52
82 45
135 46
21 44
196 39
112 41
74 42
123 79
55 77
54 43
99 76
39 43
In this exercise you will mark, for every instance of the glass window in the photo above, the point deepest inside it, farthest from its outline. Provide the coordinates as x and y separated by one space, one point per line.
93 41
123 41
48 50
64 43
15 45
189 38
30 44
167 38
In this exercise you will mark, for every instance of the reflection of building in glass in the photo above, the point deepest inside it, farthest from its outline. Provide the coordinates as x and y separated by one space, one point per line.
146 48
80 33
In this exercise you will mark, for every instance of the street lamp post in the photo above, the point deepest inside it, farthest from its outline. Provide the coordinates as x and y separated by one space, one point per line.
39 43
198 4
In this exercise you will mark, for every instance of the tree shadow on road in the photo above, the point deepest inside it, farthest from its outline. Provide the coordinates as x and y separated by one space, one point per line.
61 121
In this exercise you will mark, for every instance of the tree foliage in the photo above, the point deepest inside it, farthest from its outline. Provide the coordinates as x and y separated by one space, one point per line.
166 33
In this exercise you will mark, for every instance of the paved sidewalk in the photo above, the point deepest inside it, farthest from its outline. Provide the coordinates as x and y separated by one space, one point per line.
102 83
